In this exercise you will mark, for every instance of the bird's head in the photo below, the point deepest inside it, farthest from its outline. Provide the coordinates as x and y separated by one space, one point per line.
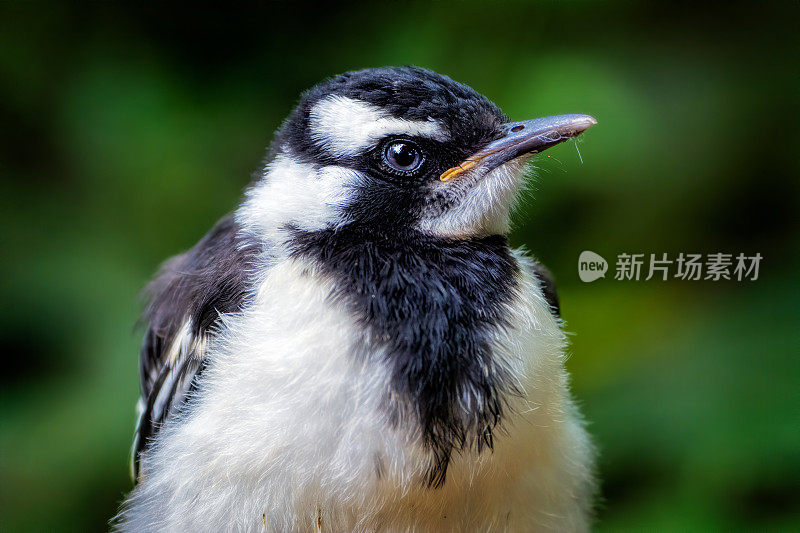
397 149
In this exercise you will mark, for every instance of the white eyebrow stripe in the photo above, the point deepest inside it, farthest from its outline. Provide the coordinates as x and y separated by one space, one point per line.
346 127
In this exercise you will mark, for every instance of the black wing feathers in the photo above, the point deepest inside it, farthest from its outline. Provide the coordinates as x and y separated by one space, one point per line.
548 286
186 299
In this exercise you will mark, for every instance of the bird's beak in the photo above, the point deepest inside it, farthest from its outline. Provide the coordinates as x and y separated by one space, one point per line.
521 138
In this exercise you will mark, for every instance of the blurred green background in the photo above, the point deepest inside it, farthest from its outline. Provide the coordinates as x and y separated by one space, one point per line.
127 131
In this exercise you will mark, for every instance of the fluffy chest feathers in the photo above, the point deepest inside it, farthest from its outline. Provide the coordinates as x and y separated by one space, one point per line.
431 310
341 391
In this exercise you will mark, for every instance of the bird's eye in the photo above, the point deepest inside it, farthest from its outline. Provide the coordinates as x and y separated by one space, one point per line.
403 156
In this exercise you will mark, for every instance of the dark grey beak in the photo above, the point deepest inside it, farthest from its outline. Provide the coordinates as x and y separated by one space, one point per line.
525 137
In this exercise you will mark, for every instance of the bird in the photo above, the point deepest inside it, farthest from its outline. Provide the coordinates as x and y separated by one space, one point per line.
357 346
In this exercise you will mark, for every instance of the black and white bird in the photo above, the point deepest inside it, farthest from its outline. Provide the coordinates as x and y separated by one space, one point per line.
357 348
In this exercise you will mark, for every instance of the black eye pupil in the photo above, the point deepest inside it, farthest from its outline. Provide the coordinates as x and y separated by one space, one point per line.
403 156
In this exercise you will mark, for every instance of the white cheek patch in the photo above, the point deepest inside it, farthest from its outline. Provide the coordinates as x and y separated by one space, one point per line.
297 194
347 127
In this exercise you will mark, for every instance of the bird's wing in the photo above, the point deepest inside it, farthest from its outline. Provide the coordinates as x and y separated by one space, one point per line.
548 285
186 299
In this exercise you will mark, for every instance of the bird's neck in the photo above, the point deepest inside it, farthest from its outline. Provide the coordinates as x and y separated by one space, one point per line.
435 305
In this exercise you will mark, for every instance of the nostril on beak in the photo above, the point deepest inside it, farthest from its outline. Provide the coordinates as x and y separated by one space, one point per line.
515 129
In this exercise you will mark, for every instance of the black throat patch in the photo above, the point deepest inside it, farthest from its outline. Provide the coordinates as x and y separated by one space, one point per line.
436 304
